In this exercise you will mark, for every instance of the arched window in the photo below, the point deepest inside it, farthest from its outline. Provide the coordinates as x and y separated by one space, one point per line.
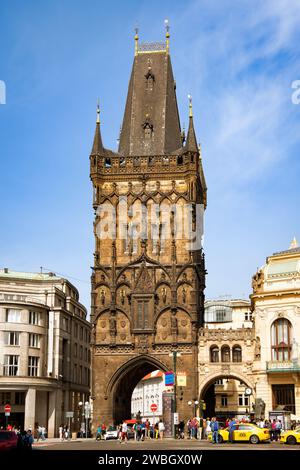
214 354
236 354
225 354
281 334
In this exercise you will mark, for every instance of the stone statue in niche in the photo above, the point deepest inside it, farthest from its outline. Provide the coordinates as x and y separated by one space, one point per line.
174 325
102 296
113 326
183 295
164 294
257 349
122 296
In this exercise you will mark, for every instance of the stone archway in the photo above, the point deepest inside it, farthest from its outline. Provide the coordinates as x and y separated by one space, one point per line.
206 388
124 380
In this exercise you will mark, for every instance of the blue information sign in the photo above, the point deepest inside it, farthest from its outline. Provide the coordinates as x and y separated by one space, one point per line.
169 378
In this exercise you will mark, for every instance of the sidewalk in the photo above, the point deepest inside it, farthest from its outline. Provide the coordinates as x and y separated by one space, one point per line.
55 440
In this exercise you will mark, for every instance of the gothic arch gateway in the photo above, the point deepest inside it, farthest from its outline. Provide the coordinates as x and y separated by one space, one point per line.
122 383
148 280
207 392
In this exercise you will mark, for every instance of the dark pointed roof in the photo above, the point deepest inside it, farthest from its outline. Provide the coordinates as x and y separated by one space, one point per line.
151 106
97 144
191 141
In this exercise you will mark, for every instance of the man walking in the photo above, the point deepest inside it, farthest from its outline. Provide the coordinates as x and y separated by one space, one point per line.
215 430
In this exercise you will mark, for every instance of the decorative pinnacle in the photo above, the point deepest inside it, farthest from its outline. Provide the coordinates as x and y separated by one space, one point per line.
167 35
294 244
136 39
199 150
98 112
190 106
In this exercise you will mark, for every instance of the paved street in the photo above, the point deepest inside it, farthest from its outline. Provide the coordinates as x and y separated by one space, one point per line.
166 444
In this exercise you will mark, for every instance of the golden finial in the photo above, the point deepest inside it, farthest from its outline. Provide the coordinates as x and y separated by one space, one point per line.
136 39
190 106
98 112
294 244
167 35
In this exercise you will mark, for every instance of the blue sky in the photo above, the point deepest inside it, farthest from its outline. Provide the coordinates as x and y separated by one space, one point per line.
238 59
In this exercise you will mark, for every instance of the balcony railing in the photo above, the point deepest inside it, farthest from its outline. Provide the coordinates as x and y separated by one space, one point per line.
283 366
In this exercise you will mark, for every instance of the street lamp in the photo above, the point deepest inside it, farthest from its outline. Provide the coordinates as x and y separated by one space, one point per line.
86 415
196 403
175 354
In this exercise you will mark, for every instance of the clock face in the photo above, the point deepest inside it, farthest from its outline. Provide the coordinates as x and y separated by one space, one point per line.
248 391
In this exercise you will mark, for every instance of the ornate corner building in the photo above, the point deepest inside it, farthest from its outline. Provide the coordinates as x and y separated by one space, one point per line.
276 309
148 278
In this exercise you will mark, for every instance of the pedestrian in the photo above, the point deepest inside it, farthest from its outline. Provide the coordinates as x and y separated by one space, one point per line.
124 432
43 433
215 430
99 432
28 440
156 431
231 428
147 428
61 432
161 428
208 428
181 430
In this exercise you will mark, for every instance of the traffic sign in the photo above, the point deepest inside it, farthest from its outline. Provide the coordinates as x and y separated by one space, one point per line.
169 378
7 408
153 407
176 418
7 413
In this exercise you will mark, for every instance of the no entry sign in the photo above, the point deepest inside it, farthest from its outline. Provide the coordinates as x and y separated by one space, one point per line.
7 408
153 407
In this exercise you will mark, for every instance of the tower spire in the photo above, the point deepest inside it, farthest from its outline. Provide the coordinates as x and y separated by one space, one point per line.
136 41
191 141
97 144
167 36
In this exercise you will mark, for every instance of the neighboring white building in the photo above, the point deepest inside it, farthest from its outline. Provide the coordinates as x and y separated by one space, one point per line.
276 306
147 392
44 350
226 348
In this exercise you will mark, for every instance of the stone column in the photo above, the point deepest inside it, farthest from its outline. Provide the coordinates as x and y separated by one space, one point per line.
30 402
55 417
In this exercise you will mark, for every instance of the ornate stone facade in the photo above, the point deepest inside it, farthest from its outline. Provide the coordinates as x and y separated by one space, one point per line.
148 279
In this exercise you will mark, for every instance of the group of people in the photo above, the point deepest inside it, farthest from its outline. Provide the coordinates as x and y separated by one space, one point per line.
140 430
64 432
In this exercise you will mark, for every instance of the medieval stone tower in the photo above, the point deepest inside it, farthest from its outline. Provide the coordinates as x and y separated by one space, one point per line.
149 274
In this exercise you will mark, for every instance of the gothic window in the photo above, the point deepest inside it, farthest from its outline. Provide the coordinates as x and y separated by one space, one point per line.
150 79
179 160
237 354
107 163
142 315
214 354
281 332
148 129
225 354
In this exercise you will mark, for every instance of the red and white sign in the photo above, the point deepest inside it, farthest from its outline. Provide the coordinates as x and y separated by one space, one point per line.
7 408
153 407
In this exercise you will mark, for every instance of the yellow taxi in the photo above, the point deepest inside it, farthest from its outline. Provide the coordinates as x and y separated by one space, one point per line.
290 437
244 432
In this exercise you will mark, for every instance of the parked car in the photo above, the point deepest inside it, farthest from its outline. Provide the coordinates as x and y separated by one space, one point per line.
8 440
112 432
244 432
290 437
